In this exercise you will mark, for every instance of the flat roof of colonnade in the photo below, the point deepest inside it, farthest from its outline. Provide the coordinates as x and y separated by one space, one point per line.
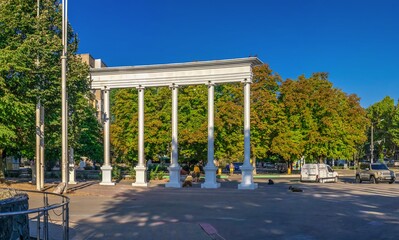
189 73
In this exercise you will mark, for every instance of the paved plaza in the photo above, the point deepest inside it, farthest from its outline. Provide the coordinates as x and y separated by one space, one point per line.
341 210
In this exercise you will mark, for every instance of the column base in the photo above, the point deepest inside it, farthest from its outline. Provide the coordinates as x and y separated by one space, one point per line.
210 177
107 176
247 181
141 177
174 177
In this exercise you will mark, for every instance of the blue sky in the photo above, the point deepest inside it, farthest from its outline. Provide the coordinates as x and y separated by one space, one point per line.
355 41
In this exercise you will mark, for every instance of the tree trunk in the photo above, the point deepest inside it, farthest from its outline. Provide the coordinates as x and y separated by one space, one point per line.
254 166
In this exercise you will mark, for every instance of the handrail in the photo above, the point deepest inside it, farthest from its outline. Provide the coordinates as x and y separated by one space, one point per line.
35 210
43 213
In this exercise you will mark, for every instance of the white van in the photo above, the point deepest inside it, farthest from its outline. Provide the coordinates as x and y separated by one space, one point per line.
318 173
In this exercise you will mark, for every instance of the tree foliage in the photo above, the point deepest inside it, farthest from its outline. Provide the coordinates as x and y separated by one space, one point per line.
384 117
30 70
322 121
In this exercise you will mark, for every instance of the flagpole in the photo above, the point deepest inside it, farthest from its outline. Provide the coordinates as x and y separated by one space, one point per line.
64 110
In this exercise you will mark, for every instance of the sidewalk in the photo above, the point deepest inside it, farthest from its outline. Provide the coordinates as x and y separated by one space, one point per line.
269 212
108 212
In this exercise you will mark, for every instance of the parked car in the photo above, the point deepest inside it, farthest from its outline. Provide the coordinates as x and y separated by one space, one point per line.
269 165
281 167
318 173
374 173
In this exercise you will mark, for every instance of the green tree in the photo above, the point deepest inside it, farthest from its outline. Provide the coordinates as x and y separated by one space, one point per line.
265 110
321 121
193 122
86 131
30 51
394 129
382 115
157 125
124 132
229 135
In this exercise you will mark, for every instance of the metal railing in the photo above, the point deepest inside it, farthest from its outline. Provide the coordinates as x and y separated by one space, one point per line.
42 215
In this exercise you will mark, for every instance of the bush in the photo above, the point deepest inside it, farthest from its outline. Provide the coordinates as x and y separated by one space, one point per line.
132 172
160 175
116 173
158 167
155 173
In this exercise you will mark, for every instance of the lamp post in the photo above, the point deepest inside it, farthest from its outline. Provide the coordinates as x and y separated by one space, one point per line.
64 114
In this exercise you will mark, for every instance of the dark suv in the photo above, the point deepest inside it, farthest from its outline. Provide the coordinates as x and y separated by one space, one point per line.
375 173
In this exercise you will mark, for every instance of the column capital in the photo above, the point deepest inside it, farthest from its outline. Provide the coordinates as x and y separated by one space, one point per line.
210 83
246 81
173 86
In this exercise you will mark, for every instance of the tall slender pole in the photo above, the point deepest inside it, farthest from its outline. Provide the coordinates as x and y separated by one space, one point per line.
41 147
38 107
38 138
64 93
372 144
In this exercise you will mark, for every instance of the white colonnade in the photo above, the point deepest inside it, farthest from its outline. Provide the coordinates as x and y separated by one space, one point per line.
173 76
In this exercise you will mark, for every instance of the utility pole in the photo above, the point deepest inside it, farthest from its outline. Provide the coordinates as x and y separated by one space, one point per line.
64 157
41 146
38 141
39 134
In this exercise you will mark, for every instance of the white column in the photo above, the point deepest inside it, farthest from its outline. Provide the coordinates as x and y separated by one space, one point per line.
141 169
106 168
210 168
247 181
174 168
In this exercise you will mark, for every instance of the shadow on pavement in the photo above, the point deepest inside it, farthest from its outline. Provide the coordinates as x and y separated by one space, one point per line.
322 211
